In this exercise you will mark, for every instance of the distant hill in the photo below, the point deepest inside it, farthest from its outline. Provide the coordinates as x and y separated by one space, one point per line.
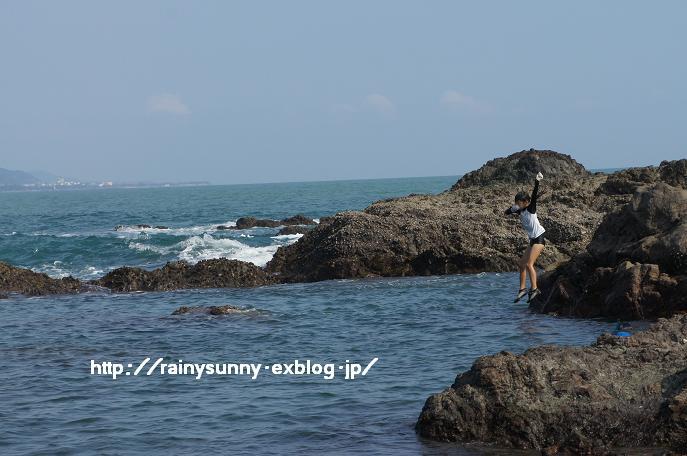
46 178
10 177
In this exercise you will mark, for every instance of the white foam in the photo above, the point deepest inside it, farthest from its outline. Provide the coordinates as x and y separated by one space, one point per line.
172 231
141 247
288 238
57 271
206 247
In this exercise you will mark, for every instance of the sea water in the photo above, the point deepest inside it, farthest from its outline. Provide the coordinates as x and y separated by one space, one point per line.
423 331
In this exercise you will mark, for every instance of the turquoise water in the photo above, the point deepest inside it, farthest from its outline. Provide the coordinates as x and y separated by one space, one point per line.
422 330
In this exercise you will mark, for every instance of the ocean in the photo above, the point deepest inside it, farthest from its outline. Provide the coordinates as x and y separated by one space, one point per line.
423 331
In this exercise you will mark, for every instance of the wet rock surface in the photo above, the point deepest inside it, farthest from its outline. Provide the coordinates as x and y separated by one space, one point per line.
217 273
29 283
620 392
251 222
635 266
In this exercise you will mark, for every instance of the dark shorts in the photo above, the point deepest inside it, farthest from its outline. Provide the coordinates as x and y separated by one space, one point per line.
538 240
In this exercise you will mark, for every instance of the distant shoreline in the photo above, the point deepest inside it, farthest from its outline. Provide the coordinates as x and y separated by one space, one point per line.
50 188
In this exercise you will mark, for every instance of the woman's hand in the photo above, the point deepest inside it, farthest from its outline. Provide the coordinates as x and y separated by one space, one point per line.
540 176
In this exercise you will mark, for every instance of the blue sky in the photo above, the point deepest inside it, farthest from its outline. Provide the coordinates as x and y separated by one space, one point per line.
264 91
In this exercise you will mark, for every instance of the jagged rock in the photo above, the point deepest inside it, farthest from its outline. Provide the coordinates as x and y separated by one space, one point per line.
635 267
627 181
620 392
27 282
208 310
459 231
294 229
216 273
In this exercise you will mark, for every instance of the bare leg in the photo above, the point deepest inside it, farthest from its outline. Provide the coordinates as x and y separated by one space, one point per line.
534 252
522 267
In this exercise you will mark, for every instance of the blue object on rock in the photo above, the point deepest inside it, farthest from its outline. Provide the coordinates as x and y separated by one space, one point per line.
622 334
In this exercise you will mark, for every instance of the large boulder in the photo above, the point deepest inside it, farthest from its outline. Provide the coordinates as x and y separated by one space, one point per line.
30 283
619 392
459 231
635 267
216 273
518 168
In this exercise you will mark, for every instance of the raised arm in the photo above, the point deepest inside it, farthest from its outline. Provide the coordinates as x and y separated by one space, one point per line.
532 207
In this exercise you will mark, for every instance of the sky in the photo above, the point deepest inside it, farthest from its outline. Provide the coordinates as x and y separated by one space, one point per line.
273 91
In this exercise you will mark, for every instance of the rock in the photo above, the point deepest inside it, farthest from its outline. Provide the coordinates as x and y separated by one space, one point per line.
208 310
3 296
627 181
624 392
459 231
299 219
294 229
216 273
161 227
224 227
244 223
635 266
250 222
27 282
518 168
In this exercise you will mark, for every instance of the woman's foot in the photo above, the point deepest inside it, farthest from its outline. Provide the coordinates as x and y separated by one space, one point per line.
521 294
533 293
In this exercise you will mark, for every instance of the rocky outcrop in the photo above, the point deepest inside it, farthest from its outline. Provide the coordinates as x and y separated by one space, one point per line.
517 169
251 222
627 181
459 231
208 310
635 266
217 273
619 392
29 283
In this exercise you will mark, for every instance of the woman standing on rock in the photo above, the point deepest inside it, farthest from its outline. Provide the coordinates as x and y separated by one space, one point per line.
526 208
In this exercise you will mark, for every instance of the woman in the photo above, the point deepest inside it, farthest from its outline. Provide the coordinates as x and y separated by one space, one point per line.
526 208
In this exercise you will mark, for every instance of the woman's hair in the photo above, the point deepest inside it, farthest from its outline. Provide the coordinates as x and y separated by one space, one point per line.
522 196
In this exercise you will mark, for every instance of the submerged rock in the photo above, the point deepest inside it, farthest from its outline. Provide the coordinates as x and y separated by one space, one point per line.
294 229
619 392
635 267
142 226
27 282
216 273
208 310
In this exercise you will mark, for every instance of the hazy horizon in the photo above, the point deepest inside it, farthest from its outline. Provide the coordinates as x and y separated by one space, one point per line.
240 92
